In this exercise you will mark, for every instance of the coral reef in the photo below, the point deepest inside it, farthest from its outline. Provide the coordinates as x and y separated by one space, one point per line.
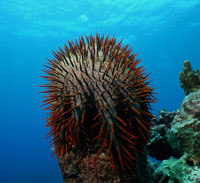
176 171
189 79
177 134
89 167
97 95
164 117
158 146
184 134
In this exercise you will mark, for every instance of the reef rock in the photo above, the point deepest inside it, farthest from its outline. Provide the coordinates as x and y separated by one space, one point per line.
189 79
176 171
158 146
89 167
184 134
177 134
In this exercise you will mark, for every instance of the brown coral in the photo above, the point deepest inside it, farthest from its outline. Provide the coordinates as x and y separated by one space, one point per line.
189 79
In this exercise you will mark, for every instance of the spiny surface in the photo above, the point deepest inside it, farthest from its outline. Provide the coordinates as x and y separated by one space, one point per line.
97 93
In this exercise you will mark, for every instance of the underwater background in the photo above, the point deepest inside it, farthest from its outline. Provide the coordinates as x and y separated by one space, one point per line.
164 33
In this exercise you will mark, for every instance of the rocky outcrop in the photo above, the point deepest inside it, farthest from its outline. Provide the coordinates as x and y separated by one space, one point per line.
87 166
158 146
189 79
175 137
176 171
184 134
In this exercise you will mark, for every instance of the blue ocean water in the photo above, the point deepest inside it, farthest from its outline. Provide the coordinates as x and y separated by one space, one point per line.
164 33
